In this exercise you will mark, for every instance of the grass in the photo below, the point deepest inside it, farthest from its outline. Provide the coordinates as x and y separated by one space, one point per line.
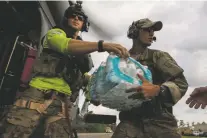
190 137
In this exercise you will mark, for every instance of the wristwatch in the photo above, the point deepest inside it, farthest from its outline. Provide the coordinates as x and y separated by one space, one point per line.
100 46
163 91
165 94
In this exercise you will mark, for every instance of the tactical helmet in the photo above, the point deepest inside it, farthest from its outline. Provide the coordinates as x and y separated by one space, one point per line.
141 24
76 9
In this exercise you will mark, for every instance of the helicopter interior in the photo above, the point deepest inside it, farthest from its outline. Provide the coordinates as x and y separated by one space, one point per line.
20 22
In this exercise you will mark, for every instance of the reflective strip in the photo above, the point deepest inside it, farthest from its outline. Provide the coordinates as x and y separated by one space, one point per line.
57 84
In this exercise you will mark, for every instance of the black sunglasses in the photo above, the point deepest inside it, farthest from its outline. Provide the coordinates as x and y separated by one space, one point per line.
80 17
148 29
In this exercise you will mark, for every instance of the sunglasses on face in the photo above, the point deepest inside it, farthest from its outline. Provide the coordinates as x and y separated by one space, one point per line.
80 18
148 30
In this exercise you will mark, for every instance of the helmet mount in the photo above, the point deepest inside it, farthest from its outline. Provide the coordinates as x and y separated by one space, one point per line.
76 9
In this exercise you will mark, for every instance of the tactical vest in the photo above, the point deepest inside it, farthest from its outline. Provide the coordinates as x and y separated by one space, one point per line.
54 64
157 78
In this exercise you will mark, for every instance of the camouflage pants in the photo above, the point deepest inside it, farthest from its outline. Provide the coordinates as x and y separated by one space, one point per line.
163 126
27 123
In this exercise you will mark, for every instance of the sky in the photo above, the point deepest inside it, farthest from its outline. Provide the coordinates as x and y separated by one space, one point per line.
183 36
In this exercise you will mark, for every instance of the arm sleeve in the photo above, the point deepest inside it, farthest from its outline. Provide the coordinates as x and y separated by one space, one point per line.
175 83
56 39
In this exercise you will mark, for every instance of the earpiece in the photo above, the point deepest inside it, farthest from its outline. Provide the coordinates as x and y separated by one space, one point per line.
154 38
132 31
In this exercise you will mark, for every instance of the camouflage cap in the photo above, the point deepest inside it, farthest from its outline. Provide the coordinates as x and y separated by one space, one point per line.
141 24
146 23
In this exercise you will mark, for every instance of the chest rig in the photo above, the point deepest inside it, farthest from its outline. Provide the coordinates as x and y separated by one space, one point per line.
148 61
54 64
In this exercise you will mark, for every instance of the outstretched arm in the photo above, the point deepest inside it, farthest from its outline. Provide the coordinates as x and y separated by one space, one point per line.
56 39
198 98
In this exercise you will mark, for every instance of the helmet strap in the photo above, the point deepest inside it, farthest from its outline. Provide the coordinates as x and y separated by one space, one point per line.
71 32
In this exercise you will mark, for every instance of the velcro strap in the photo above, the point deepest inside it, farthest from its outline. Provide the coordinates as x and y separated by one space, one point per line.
21 103
40 107
43 107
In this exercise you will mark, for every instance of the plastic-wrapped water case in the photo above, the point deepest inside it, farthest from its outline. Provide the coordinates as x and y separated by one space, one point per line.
110 81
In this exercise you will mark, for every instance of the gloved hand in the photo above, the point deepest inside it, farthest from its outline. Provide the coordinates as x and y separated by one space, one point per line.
148 89
198 98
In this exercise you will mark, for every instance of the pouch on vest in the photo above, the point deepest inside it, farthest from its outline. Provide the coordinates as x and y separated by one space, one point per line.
110 81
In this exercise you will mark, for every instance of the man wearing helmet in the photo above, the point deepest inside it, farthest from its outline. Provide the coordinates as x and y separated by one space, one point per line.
154 119
57 75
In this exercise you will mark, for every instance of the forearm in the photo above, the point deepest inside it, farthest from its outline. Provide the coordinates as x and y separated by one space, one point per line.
76 47
173 90
56 39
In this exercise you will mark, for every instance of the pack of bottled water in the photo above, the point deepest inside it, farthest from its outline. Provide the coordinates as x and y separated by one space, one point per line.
111 80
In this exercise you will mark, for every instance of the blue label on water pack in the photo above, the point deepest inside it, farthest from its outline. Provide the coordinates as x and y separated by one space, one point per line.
111 74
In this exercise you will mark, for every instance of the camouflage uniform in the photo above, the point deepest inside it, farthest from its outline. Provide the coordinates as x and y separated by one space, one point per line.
22 122
43 110
155 119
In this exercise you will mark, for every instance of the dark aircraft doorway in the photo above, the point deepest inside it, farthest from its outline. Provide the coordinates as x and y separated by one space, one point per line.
19 20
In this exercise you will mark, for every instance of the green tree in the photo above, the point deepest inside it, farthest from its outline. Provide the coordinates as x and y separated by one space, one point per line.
188 125
203 123
182 124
